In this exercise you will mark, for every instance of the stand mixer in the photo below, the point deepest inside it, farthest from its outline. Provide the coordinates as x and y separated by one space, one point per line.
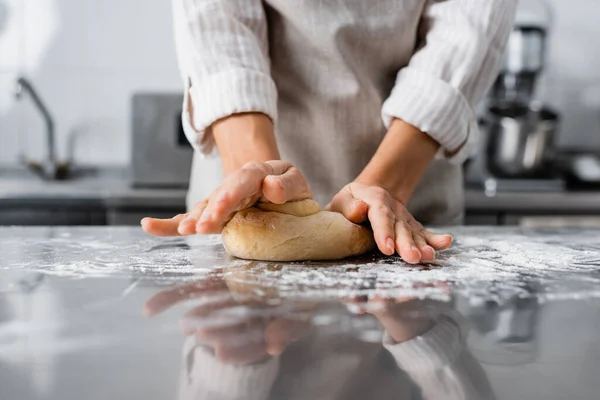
517 149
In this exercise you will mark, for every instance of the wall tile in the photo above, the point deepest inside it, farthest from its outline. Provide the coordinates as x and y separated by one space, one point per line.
120 35
86 58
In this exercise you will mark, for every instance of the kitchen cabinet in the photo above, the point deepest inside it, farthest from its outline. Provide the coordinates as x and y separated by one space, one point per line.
533 209
48 212
106 197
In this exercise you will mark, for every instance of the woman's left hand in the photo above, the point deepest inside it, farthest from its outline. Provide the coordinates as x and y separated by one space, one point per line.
393 226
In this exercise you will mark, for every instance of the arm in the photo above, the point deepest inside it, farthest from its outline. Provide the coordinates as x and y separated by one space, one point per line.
429 112
203 375
460 51
231 101
461 47
439 362
230 97
427 339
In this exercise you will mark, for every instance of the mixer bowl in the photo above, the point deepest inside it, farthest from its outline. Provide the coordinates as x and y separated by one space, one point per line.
520 140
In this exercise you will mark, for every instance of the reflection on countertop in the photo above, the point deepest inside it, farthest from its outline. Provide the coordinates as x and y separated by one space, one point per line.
505 314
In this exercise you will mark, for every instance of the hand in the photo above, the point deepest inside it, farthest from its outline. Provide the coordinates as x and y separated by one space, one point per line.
251 332
393 226
403 317
271 181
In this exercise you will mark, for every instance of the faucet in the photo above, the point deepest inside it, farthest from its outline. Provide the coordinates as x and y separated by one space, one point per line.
50 168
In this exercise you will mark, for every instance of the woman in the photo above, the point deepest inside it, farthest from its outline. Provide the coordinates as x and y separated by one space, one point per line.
369 102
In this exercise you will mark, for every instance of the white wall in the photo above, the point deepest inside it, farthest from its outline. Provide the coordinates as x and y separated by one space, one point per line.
87 57
572 81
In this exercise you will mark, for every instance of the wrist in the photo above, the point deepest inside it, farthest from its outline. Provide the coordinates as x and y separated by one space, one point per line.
242 138
400 161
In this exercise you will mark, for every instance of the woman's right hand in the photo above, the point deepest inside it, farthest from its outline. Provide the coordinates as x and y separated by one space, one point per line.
271 181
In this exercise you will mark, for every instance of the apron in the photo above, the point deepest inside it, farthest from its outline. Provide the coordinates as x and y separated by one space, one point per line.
332 79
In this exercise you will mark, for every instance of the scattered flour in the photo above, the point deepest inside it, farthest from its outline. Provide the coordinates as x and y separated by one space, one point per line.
483 262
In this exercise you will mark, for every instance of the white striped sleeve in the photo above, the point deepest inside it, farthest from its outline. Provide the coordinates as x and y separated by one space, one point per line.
460 51
222 50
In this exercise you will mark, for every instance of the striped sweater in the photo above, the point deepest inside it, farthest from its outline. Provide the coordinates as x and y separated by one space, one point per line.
333 74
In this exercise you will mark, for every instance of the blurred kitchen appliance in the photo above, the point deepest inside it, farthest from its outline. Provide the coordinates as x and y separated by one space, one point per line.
503 333
523 63
520 141
583 171
518 132
160 152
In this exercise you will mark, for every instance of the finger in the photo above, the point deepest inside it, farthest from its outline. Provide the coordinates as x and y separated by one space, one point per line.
289 186
240 333
436 240
243 354
162 227
405 244
353 209
275 167
187 226
382 222
281 332
167 298
200 317
427 252
239 190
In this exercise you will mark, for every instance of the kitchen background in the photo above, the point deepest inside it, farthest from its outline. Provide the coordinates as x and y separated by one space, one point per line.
87 59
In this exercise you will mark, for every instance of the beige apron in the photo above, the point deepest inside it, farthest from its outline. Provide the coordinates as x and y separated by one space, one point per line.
332 79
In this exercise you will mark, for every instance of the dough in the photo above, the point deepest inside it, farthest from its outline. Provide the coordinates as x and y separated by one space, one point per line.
294 231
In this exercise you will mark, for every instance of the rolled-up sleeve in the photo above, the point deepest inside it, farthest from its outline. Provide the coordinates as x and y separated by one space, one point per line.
439 362
222 51
458 57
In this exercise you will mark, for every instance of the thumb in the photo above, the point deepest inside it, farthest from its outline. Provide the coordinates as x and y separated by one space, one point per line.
289 186
355 210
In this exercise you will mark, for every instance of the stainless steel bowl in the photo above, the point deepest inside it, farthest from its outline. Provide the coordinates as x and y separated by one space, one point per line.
520 141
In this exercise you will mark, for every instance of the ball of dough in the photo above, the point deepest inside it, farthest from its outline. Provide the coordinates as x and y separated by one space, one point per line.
302 208
294 231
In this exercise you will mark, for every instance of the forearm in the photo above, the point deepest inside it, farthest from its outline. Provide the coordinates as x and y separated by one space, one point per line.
400 161
245 137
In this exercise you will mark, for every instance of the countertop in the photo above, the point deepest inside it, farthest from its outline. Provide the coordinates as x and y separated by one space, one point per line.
110 187
104 312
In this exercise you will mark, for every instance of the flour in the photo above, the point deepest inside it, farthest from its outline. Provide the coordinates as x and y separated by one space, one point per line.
483 262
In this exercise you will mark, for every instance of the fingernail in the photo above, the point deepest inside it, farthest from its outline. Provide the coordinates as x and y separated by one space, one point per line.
432 250
275 351
415 248
279 183
390 244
